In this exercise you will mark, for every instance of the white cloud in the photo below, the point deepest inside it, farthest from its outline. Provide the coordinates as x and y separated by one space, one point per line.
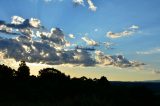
91 5
71 36
78 2
35 22
152 51
130 31
134 27
118 35
34 44
5 29
115 60
26 48
17 20
102 59
90 42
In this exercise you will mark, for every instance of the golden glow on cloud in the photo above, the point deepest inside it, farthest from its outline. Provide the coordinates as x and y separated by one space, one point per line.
112 73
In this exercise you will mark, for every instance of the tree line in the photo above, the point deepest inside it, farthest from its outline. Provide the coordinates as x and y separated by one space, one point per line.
52 87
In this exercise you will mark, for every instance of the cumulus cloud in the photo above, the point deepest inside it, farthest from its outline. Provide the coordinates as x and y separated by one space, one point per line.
35 22
78 2
71 36
17 20
91 5
90 42
152 51
130 31
36 45
115 60
5 29
55 35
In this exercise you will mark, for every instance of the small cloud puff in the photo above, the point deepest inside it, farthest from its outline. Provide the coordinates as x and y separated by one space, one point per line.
78 2
35 22
90 42
17 20
91 5
71 36
130 31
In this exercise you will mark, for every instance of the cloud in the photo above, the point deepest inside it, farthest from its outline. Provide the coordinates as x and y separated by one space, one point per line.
10 62
134 27
17 20
130 31
7 30
71 36
35 22
34 44
108 45
78 2
115 60
55 35
118 35
90 42
91 5
149 52
37 45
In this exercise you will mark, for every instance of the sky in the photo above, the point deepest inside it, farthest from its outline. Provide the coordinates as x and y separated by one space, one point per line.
118 39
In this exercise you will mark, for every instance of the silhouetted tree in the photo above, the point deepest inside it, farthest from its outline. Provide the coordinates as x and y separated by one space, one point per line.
6 72
53 86
83 78
51 74
23 71
103 81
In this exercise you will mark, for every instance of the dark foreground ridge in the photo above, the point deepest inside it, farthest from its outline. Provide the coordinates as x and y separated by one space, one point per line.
53 88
